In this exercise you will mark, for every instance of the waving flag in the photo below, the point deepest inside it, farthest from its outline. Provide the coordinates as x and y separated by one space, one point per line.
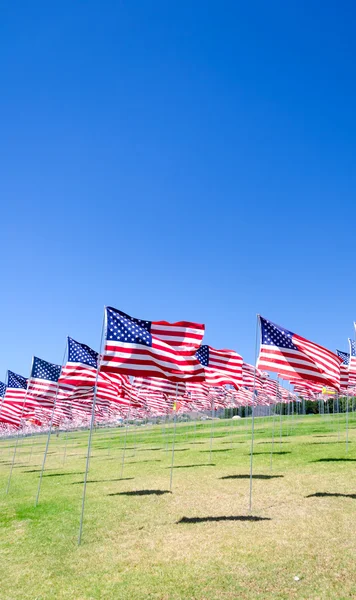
352 362
344 368
252 377
79 375
221 366
43 383
156 384
292 356
139 347
12 406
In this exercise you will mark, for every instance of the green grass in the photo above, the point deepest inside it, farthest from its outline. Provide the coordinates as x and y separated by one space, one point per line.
196 542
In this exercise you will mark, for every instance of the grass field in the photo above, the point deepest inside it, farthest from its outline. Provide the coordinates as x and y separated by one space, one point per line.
142 542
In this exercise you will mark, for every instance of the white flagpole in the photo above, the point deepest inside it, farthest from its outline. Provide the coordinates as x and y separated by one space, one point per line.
18 435
347 422
49 432
253 418
104 327
125 438
273 427
174 439
212 427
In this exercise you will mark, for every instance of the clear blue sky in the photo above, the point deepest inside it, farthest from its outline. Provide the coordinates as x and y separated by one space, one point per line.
177 160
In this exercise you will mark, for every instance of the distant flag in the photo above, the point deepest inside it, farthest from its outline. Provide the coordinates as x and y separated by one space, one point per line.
43 382
12 406
79 375
158 384
2 389
344 368
252 377
292 356
221 366
151 348
352 362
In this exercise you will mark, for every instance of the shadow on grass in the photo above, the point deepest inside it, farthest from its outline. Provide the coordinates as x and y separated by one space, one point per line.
331 495
233 442
139 462
191 466
319 443
193 443
274 453
276 442
100 480
218 450
38 470
334 460
142 493
253 476
222 518
61 474
148 449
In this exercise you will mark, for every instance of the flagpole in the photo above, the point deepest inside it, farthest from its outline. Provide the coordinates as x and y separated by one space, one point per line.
212 427
49 433
273 427
18 435
125 438
104 326
174 439
347 422
253 418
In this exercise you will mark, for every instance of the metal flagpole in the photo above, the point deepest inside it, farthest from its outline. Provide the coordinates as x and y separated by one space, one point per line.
65 446
212 427
253 418
49 433
104 326
280 423
174 438
125 438
17 436
347 422
273 427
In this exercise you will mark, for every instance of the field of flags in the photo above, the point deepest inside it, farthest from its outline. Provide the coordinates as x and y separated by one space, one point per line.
147 370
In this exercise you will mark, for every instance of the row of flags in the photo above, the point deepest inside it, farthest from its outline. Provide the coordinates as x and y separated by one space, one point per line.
309 367
149 368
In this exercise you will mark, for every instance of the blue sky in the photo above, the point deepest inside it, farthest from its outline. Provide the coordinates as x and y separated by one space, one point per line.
176 160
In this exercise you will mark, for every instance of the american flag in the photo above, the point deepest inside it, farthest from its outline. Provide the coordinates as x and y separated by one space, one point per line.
221 366
156 384
252 377
151 349
2 389
344 368
12 406
79 374
292 356
43 383
352 362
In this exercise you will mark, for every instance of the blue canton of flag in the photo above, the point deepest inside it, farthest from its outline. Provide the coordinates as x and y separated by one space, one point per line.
2 389
352 347
272 335
41 369
123 328
203 355
80 353
16 381
344 356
